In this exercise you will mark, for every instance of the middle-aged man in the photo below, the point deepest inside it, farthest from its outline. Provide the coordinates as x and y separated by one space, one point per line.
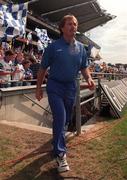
65 57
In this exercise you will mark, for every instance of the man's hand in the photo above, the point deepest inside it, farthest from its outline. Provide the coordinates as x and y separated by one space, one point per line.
91 84
39 94
86 73
40 79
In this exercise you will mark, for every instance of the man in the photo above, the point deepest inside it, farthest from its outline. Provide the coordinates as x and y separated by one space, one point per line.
6 70
19 75
28 74
65 57
34 66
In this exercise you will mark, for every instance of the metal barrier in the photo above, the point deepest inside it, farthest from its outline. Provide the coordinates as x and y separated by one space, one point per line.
96 94
79 104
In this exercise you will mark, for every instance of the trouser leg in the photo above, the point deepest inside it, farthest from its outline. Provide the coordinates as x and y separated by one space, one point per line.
69 103
59 118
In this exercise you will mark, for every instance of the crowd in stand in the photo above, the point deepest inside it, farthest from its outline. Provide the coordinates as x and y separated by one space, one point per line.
103 70
20 69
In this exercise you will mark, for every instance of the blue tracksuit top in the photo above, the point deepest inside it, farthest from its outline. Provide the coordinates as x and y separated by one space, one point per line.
65 60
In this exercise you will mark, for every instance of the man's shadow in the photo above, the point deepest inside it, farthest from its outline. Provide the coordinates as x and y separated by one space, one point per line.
42 167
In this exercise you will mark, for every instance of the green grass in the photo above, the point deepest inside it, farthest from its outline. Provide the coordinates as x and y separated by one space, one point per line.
103 158
112 151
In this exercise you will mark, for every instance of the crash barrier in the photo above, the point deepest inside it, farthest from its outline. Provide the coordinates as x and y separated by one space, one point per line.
16 83
110 92
115 96
109 76
95 75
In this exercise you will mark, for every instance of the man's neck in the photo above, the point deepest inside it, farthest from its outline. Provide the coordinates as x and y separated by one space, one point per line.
69 39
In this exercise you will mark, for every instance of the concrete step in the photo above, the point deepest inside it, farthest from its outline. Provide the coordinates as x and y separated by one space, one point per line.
28 126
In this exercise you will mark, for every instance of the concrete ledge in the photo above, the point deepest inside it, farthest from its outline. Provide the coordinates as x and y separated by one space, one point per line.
28 126
33 128
12 91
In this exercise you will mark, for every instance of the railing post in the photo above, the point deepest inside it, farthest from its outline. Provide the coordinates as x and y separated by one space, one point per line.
78 107
99 93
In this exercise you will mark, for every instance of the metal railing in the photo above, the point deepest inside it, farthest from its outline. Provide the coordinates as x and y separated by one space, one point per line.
96 93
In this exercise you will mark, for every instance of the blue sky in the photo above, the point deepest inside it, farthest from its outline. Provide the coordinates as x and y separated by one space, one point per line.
112 36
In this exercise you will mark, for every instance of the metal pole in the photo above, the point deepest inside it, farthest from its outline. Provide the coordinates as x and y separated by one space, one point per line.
36 103
99 93
68 8
78 108
31 2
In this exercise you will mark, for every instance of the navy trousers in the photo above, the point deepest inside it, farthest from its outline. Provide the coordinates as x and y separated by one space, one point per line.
61 97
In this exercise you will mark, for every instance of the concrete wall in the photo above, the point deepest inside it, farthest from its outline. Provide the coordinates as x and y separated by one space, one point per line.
16 107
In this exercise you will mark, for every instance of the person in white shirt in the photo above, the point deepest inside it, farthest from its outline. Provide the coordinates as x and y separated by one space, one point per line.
19 75
6 68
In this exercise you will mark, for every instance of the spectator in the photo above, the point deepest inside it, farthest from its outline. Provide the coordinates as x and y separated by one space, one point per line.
6 70
28 75
35 66
19 75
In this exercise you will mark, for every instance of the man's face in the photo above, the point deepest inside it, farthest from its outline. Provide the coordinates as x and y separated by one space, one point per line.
10 58
70 27
20 57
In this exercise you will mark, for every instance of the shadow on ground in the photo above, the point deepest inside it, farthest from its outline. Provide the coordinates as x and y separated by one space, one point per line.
43 168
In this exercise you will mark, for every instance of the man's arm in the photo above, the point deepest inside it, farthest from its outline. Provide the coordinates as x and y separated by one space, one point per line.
86 74
40 78
4 73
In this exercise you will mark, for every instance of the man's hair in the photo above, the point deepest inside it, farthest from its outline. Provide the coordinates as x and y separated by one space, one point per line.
64 19
9 53
32 59
24 62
